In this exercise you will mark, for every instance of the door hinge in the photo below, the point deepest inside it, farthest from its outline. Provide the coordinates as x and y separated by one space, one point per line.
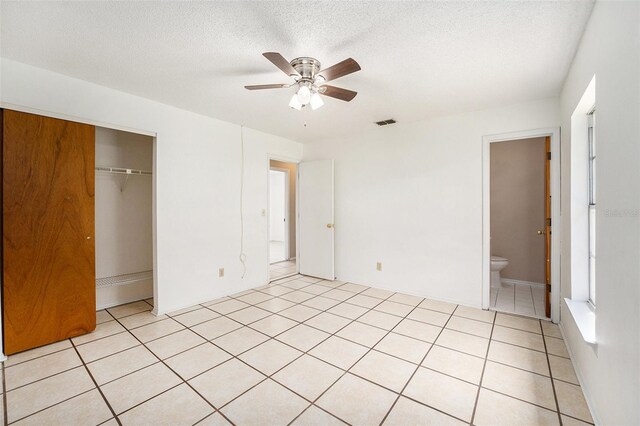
548 155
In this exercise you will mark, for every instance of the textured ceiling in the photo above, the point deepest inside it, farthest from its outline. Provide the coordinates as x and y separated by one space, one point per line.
418 58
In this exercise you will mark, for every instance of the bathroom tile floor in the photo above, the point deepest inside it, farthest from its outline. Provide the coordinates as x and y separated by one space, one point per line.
521 299
300 351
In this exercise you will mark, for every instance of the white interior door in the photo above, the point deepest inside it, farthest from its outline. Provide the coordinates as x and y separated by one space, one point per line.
315 202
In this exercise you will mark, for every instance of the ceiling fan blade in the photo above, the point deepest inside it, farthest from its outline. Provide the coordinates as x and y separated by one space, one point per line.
279 61
340 69
267 86
337 92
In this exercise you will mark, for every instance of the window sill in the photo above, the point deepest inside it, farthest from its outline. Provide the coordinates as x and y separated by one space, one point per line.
585 318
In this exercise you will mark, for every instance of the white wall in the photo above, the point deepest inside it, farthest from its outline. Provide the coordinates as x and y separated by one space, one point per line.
610 372
196 181
410 196
276 205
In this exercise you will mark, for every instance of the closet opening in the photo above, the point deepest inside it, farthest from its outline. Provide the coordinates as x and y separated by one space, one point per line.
123 217
282 219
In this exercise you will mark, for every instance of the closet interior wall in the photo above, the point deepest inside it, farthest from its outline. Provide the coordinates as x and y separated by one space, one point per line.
123 218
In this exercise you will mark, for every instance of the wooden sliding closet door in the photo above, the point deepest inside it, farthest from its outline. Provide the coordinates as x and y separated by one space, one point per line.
48 224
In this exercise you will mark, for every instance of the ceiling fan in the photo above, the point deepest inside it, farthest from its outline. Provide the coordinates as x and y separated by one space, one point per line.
311 80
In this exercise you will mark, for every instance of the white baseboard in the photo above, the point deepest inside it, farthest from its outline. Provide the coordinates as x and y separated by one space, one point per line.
108 296
521 282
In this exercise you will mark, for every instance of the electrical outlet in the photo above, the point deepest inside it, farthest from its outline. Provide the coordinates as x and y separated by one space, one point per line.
221 272
379 266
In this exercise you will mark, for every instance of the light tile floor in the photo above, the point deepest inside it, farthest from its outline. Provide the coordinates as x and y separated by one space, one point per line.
300 351
520 299
282 269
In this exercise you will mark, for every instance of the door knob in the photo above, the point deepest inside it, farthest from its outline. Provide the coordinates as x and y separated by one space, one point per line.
329 225
540 232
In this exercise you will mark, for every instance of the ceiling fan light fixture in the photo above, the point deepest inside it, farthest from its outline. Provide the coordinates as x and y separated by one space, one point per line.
304 94
316 101
295 102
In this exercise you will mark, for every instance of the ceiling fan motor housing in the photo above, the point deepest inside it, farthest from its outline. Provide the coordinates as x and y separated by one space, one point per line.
306 67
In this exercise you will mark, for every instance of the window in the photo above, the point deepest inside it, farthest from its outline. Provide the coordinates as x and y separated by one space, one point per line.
592 206
582 302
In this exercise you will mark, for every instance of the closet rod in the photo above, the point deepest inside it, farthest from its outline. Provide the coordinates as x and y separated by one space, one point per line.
122 171
126 172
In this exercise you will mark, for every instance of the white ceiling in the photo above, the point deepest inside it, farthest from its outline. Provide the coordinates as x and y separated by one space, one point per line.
418 59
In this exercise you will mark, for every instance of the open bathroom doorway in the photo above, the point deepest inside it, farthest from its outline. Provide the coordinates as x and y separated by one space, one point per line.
282 219
520 270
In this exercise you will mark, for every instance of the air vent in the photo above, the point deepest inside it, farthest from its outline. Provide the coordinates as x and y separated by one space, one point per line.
386 122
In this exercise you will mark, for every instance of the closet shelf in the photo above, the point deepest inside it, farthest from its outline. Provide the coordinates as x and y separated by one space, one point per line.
124 279
121 171
125 172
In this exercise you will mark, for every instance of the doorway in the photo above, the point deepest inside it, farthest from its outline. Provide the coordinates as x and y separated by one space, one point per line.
518 245
520 251
123 217
282 219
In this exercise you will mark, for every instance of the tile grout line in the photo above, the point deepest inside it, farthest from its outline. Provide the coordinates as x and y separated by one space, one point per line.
519 399
57 403
504 311
553 385
280 278
96 384
484 367
34 358
400 394
45 378
5 416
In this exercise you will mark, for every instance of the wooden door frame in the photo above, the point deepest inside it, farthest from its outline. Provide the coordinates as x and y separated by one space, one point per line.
554 134
289 160
154 177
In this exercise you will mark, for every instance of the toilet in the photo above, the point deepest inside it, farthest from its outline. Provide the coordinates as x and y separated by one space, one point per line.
497 265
